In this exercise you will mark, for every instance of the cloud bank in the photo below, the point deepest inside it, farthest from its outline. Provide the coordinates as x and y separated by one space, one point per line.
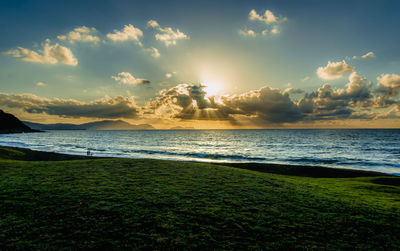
264 107
107 107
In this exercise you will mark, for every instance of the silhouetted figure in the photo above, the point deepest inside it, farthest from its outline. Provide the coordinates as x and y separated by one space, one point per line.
88 153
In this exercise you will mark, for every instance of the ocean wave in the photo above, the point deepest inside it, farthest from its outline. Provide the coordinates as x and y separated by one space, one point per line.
314 160
377 151
213 156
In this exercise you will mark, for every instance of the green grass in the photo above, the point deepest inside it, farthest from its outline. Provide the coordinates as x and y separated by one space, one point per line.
153 204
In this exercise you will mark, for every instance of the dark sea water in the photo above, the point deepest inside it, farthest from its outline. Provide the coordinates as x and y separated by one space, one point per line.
377 150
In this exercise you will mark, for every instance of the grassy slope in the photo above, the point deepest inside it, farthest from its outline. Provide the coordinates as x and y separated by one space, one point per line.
126 203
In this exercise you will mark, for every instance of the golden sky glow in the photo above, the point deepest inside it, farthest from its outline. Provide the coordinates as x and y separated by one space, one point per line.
242 65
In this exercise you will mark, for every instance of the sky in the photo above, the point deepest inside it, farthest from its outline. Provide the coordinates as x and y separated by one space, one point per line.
202 64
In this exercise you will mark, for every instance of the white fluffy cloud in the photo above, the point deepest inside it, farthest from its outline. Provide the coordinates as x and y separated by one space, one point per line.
81 34
368 55
264 32
50 54
154 52
153 24
334 70
291 90
275 30
170 74
167 35
40 84
129 32
268 17
128 79
248 33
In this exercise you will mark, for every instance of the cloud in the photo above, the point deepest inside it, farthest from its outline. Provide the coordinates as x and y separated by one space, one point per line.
393 113
248 33
262 107
358 89
154 52
334 70
153 24
268 17
167 35
128 79
107 107
293 91
264 32
275 30
329 104
81 34
40 84
368 55
50 54
306 78
170 74
188 101
266 104
389 85
129 32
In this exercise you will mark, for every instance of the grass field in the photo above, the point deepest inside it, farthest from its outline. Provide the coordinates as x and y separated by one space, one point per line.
51 201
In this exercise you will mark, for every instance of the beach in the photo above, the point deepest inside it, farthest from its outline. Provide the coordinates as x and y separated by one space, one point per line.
75 202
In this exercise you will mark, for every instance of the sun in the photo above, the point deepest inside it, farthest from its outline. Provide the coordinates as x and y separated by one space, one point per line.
212 88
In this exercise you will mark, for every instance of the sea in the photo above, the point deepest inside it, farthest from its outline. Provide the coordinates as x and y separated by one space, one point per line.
363 149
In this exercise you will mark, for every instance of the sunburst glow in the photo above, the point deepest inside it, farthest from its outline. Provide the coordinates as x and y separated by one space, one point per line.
212 88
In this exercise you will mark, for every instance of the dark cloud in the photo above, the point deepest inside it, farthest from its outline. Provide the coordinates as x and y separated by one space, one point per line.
267 104
271 106
328 103
117 107
187 101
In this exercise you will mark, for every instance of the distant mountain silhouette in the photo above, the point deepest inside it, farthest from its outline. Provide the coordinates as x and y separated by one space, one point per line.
10 124
98 125
181 128
58 126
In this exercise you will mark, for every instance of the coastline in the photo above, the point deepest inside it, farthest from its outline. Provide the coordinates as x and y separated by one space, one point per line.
317 171
347 149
